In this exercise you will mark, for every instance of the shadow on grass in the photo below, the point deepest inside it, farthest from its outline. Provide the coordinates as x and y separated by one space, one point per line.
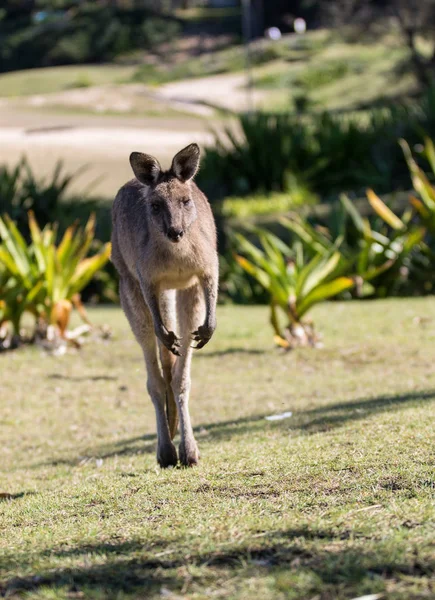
316 420
82 377
6 496
122 448
229 351
131 568
319 419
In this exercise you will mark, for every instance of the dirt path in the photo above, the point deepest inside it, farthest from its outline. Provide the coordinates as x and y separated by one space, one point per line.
228 91
102 143
71 126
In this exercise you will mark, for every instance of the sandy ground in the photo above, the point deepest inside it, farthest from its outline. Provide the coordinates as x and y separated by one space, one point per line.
227 91
97 126
103 143
124 99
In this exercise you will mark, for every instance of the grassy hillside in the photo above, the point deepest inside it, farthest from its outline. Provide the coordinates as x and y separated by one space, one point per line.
323 68
57 79
333 502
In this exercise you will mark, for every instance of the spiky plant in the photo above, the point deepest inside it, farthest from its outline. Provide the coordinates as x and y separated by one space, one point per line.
44 278
293 283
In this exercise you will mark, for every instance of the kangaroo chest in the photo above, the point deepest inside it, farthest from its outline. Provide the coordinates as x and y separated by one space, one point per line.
178 271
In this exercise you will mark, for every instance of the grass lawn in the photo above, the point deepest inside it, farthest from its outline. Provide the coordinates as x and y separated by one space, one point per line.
335 502
57 79
327 69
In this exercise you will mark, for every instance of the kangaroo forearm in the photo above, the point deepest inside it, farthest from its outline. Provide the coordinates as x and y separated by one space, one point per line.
210 288
150 295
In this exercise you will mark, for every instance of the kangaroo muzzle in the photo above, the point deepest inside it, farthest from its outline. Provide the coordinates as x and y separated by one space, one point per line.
175 234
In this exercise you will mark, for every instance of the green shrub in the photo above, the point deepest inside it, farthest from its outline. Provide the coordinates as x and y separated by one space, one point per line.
246 206
383 253
378 249
50 200
42 277
257 160
158 31
293 282
82 81
326 153
421 271
91 32
235 284
21 191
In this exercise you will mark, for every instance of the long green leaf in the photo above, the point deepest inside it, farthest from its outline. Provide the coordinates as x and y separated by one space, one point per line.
352 212
320 273
384 212
324 292
87 269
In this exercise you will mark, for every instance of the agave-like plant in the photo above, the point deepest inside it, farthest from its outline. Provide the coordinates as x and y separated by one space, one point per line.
20 282
380 248
294 283
384 250
422 271
425 204
44 278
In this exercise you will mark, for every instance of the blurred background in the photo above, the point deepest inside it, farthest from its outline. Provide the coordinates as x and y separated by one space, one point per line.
295 103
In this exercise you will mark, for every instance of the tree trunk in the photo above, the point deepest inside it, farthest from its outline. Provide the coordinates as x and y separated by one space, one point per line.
257 18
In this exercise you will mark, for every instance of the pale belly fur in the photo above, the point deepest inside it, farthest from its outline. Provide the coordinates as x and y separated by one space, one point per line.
174 281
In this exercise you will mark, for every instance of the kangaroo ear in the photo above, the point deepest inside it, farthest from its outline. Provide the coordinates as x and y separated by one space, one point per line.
145 167
185 164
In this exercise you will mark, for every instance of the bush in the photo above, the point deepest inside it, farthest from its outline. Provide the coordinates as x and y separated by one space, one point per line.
326 153
384 254
42 277
21 191
293 283
89 32
49 200
378 249
246 206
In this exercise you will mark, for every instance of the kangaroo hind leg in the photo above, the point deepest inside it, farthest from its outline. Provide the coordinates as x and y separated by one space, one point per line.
167 306
191 312
141 324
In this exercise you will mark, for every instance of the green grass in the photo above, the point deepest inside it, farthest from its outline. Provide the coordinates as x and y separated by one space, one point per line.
205 13
264 54
338 75
333 503
261 204
329 71
57 79
148 108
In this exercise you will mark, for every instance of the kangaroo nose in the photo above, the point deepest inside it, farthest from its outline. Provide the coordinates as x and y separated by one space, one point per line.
175 234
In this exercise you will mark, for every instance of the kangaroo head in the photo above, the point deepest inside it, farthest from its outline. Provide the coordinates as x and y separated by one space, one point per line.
169 202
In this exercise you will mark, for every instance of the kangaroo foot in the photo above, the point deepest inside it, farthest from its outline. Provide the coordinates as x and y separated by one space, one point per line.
167 455
189 454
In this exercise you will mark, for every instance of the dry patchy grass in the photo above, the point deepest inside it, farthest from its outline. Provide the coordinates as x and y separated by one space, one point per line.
334 502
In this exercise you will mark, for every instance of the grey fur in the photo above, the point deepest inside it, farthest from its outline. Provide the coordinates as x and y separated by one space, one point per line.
164 248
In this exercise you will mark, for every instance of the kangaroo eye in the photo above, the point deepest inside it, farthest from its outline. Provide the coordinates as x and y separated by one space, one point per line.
187 201
155 207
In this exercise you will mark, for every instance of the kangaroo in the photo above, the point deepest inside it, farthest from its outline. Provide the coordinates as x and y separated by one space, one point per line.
164 249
